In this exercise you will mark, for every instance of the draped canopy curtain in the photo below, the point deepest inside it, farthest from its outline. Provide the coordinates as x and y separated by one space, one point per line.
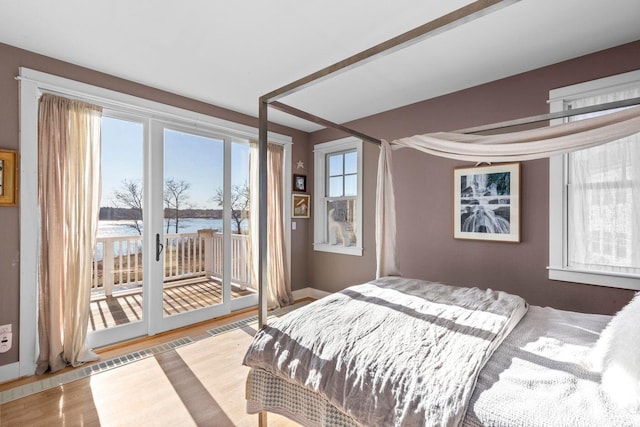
278 285
69 197
506 147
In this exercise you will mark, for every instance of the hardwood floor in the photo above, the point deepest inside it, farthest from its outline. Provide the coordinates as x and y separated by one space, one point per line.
199 384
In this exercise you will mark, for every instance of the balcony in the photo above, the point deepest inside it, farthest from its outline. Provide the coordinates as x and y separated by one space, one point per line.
193 268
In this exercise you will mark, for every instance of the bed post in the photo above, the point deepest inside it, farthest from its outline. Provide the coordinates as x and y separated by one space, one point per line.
262 208
262 226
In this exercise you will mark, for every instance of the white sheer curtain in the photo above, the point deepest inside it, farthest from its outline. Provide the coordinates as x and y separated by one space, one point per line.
278 286
507 147
386 253
604 200
69 197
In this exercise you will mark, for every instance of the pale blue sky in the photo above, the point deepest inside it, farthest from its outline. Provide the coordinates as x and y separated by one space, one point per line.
194 159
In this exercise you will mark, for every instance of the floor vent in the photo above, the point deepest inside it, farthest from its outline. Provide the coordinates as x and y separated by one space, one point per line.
76 374
105 365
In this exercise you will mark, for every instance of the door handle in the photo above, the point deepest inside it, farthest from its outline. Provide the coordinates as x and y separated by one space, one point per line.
159 247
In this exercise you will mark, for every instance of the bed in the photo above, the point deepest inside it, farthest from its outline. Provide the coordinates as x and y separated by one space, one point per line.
398 351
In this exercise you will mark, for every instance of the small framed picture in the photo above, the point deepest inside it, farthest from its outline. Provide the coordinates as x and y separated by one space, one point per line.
8 178
487 203
300 183
301 205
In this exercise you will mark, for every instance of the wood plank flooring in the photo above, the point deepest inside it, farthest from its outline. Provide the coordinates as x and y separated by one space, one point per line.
182 296
199 384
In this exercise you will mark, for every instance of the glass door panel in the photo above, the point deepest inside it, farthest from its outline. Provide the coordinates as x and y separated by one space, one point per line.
193 224
117 290
241 282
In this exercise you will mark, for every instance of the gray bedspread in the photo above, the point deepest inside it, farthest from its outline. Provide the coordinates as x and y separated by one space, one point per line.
393 351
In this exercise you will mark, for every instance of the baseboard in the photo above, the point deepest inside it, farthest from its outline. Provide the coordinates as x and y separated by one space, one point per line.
309 293
9 372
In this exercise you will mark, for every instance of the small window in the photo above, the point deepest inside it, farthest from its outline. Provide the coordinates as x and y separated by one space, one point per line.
338 207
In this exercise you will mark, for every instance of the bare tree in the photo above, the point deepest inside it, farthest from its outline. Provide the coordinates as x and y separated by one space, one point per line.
175 198
129 196
240 200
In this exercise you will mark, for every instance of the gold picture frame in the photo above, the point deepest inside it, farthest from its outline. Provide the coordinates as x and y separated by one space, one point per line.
487 203
301 206
8 178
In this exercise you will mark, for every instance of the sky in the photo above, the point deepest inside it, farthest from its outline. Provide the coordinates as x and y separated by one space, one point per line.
195 159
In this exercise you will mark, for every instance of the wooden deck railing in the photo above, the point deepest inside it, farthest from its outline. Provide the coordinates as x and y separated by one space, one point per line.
117 262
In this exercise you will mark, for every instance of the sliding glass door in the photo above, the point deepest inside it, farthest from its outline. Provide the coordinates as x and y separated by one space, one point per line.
202 261
173 242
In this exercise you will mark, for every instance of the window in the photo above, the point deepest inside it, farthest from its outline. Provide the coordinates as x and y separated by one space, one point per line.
595 197
338 207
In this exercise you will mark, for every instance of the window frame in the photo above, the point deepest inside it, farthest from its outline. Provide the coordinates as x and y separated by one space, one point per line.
321 175
558 195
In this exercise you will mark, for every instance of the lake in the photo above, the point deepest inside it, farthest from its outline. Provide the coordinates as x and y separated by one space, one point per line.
187 225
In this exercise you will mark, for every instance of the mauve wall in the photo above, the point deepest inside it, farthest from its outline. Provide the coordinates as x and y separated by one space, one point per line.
423 186
10 59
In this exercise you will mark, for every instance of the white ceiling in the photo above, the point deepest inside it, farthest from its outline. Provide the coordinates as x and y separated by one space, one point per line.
229 53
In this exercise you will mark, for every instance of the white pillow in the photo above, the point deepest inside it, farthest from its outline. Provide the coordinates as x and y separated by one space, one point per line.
619 347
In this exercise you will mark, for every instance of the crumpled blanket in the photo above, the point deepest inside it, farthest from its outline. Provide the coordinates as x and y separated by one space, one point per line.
391 352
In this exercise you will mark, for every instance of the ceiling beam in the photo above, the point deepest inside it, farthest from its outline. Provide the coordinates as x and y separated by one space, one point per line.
439 25
319 120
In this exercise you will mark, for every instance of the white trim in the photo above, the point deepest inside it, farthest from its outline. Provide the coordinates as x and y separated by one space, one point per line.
320 223
338 249
309 292
558 265
9 372
151 109
592 88
29 227
600 278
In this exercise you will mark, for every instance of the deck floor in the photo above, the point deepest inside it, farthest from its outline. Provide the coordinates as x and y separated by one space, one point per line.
180 297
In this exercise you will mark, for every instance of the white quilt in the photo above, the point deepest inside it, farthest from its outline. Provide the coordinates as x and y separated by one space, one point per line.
542 375
393 351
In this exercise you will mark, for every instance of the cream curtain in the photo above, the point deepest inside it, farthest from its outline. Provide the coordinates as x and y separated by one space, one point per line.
69 197
528 144
507 147
278 286
386 256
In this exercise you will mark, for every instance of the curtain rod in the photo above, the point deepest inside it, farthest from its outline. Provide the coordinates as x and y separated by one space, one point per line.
550 116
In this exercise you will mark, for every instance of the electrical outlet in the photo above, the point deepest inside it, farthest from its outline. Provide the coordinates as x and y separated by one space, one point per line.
5 329
5 342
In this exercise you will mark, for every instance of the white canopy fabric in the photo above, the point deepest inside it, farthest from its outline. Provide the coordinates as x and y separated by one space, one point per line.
507 147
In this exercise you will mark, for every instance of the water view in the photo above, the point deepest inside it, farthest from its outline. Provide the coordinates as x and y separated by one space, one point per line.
187 225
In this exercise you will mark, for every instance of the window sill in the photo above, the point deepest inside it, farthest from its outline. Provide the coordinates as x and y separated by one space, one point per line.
608 279
338 249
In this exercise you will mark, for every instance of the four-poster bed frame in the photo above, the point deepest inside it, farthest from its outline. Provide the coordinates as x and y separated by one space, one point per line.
444 23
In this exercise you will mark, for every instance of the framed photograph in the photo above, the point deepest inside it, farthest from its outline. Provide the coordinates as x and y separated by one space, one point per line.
486 203
300 183
301 205
8 178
